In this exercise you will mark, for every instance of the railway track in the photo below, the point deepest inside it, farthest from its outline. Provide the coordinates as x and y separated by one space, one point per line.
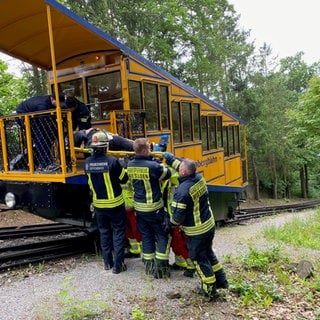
37 243
36 230
257 212
29 244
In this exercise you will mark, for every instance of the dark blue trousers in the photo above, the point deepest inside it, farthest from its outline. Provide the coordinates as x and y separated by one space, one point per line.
155 238
112 228
201 253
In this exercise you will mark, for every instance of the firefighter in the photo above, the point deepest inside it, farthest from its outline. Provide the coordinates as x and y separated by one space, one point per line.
132 233
105 176
43 129
191 209
81 118
178 237
146 175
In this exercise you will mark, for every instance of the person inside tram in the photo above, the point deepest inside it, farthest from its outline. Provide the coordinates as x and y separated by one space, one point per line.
43 130
116 142
81 119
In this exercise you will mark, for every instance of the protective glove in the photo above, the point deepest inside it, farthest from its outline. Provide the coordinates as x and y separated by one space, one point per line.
168 156
164 140
166 222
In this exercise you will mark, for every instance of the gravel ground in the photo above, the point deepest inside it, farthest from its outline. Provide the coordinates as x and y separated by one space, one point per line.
37 293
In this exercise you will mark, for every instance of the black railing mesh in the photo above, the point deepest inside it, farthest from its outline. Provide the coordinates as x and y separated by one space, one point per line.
43 136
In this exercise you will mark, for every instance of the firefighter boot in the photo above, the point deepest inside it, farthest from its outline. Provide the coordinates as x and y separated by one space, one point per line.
149 267
210 292
189 273
162 269
221 280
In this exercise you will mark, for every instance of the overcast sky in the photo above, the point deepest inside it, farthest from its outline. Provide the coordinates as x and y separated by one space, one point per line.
288 26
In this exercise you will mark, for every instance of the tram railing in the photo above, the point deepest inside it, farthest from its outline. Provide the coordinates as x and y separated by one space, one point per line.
30 144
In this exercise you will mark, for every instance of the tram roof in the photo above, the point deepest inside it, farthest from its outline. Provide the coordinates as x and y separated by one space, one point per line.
24 34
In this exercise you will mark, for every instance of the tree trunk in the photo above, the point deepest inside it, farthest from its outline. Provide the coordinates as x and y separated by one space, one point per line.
303 182
256 192
274 180
307 180
275 188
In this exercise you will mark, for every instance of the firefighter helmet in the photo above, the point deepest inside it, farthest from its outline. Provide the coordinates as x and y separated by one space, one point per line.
99 140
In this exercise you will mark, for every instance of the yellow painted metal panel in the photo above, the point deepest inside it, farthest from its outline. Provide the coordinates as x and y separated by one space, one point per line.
233 171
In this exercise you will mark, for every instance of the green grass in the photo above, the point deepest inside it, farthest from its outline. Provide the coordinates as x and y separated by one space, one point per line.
298 232
267 278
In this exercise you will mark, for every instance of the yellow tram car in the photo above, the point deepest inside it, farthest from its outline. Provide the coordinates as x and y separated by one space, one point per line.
126 95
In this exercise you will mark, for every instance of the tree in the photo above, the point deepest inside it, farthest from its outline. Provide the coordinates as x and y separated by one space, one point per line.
198 42
271 151
36 79
298 74
12 90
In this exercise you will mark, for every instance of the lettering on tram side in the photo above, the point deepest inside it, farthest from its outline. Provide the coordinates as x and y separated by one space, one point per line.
206 162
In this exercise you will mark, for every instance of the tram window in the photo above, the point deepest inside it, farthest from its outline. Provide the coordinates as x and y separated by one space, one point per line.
72 88
176 123
186 121
164 103
104 94
196 121
151 106
236 139
231 140
226 141
212 133
219 132
204 134
135 94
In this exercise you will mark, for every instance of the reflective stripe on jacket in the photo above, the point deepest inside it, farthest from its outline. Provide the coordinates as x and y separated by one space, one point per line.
146 175
105 176
191 207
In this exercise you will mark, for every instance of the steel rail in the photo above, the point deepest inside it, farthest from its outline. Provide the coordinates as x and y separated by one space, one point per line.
257 212
41 251
36 230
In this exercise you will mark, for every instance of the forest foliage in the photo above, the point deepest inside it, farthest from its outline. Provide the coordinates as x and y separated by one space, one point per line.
201 43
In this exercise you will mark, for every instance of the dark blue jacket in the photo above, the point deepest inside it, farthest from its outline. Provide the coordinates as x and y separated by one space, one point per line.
105 176
81 117
191 207
38 103
146 175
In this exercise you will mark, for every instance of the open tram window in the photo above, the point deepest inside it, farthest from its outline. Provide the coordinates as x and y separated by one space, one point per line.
104 94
